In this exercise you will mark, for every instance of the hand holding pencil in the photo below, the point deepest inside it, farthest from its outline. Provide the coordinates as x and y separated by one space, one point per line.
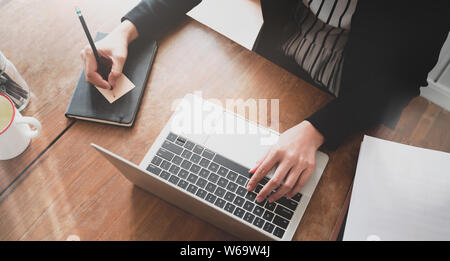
104 60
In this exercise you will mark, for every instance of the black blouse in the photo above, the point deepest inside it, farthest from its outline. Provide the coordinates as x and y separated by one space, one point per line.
391 48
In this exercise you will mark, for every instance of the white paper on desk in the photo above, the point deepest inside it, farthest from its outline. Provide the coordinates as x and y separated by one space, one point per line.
400 192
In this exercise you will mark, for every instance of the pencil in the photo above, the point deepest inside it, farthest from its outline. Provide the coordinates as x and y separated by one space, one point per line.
88 35
101 70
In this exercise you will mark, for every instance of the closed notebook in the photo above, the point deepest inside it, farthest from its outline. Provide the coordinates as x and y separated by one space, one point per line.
87 103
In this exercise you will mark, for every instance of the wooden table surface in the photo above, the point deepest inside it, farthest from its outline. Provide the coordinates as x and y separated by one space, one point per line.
61 187
44 41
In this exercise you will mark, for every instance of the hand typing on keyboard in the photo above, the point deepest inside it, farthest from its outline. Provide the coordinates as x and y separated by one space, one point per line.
295 154
221 182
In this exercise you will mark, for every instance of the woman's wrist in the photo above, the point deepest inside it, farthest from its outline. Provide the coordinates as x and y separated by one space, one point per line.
128 31
316 137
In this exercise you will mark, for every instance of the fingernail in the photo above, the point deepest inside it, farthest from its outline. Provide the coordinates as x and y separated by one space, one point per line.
249 187
259 199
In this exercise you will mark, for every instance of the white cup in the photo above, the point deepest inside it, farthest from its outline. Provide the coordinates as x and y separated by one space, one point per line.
15 132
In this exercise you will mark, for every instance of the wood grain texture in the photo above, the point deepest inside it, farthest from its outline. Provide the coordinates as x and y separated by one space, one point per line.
44 40
72 190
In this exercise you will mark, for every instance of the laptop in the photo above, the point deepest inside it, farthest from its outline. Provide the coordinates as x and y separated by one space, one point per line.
200 163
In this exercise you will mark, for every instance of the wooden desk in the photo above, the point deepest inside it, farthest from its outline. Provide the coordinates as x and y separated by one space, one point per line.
69 189
44 42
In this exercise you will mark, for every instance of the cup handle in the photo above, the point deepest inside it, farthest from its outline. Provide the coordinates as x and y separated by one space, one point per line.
32 121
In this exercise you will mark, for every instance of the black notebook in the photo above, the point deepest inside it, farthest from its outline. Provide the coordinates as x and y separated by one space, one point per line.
88 103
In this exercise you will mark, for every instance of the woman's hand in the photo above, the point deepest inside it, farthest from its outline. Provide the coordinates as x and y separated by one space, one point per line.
114 47
295 155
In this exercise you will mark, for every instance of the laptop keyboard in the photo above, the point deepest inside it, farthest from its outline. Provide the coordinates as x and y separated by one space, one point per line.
221 182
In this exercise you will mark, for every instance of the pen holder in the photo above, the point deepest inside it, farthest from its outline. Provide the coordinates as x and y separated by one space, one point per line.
12 84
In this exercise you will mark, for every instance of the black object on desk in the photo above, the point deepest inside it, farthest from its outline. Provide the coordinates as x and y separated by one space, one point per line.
87 103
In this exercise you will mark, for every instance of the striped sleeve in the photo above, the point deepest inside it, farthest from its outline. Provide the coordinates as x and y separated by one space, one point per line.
387 59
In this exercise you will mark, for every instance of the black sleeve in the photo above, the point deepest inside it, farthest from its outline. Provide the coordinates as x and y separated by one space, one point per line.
389 53
154 17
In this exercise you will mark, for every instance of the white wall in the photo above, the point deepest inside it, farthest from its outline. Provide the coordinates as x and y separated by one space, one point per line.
438 90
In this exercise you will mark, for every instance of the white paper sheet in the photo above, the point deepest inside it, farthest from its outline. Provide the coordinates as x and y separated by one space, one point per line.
400 192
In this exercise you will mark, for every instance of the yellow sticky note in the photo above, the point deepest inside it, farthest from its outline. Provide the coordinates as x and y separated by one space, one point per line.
123 86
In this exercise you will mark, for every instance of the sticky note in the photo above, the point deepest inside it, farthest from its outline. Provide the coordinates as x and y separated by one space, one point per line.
123 86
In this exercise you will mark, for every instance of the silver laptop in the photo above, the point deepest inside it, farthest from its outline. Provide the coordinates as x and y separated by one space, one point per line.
200 163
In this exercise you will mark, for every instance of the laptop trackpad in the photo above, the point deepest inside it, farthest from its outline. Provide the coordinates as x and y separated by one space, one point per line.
243 147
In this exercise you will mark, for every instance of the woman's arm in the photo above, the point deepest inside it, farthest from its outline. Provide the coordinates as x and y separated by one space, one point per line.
392 47
153 17
150 18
